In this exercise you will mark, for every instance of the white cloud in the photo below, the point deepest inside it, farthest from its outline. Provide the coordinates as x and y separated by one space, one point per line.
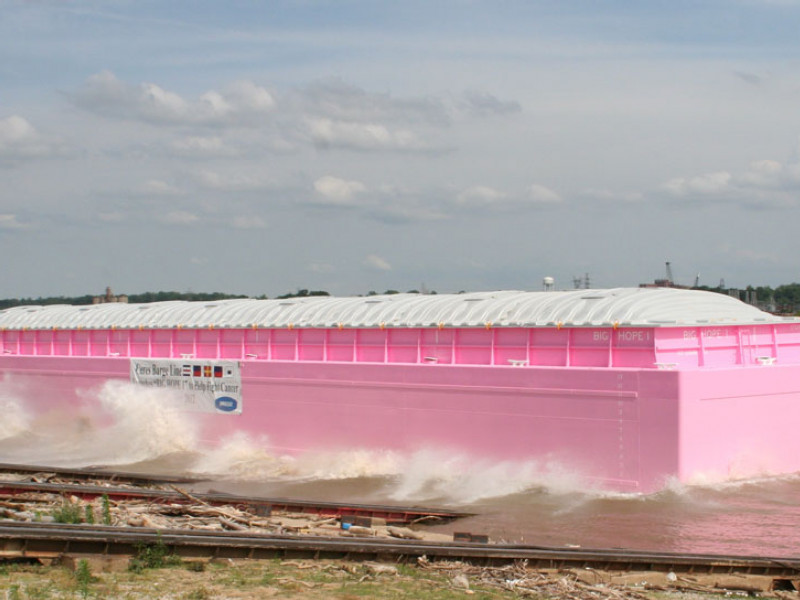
765 183
710 183
376 262
20 140
8 221
770 174
328 133
241 103
160 188
542 195
247 96
480 195
329 114
333 190
338 115
160 105
485 197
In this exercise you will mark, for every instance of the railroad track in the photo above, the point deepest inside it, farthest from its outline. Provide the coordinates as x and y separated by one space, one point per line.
96 474
49 542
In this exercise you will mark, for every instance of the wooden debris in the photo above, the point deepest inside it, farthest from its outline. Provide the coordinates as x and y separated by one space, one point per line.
404 533
229 524
380 569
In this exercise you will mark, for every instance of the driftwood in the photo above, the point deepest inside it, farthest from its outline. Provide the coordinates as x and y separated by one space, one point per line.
403 533
187 495
229 524
573 584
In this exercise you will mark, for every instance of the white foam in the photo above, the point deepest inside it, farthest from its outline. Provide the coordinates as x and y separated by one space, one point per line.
243 458
429 475
424 475
15 419
146 423
118 424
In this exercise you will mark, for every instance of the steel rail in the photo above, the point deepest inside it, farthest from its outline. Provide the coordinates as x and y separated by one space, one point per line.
100 474
48 541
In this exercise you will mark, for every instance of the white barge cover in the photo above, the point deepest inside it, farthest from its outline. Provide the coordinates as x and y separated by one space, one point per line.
628 307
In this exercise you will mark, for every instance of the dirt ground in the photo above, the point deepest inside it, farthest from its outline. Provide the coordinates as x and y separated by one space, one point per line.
78 577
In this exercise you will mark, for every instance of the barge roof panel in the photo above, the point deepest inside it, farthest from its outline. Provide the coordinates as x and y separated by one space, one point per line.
626 307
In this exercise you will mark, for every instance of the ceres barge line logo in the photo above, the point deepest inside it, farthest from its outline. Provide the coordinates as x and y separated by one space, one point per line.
226 404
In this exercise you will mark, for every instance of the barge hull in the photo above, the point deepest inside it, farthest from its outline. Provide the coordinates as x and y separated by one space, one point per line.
617 427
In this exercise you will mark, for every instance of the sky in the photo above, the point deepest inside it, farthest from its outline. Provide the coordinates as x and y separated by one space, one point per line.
357 145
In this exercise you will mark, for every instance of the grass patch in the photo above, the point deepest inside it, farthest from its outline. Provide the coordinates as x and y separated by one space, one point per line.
153 556
291 579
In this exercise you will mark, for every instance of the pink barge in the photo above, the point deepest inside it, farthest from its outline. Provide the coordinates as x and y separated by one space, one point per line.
629 387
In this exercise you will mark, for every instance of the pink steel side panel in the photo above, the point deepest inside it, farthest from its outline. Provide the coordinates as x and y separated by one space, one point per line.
616 427
740 422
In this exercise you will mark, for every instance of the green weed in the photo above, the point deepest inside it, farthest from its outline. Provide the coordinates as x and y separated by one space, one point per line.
153 556
68 513
84 577
106 510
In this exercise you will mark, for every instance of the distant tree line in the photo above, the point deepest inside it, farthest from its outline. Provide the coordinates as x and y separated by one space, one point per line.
9 302
785 298
132 298
190 296
165 296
